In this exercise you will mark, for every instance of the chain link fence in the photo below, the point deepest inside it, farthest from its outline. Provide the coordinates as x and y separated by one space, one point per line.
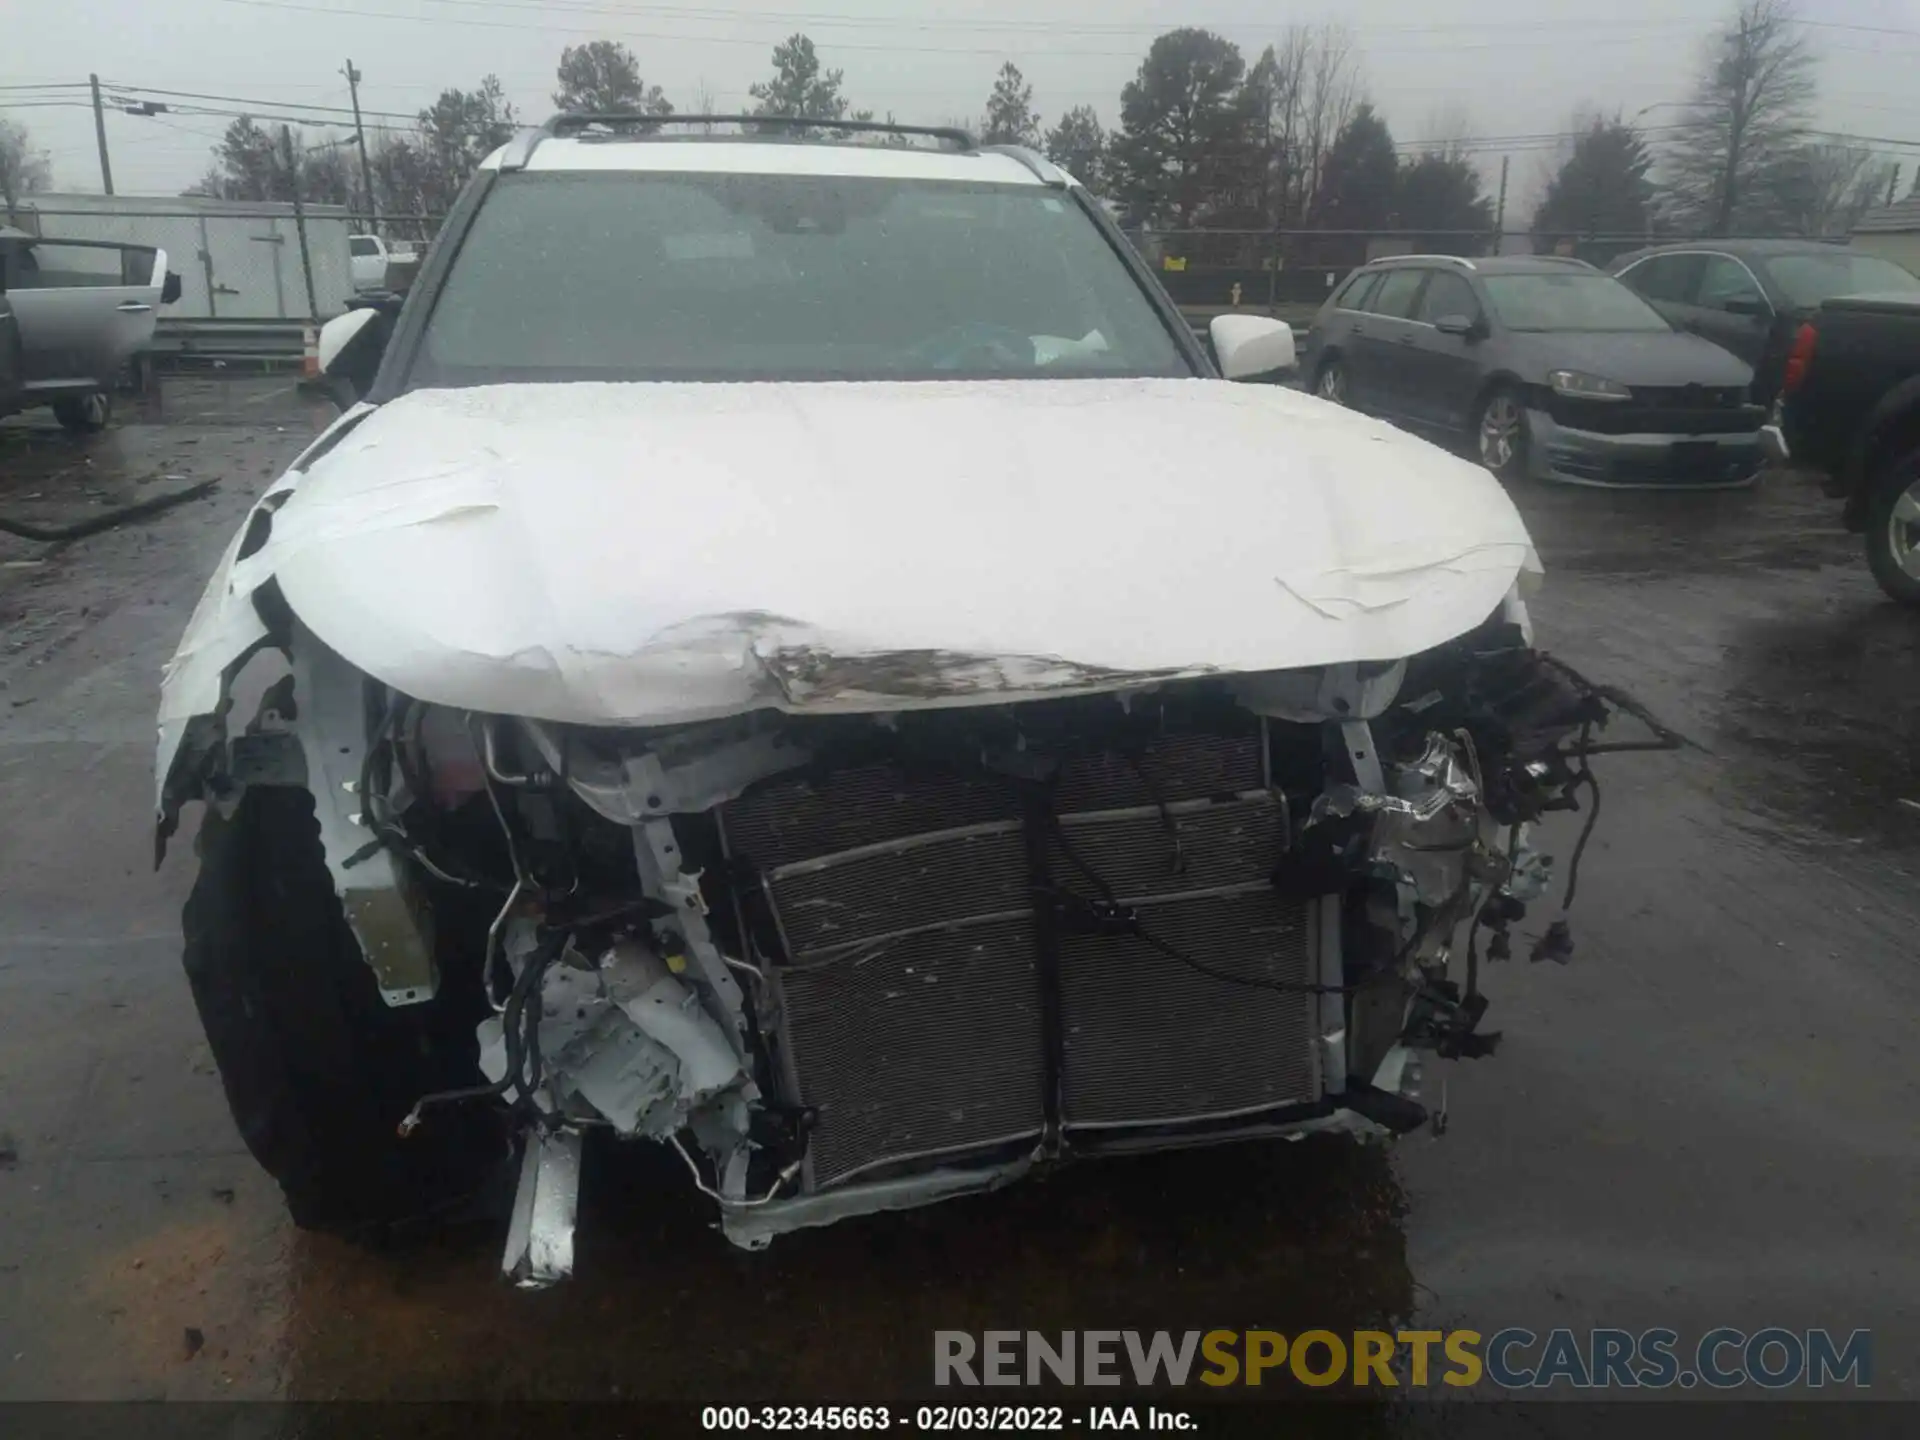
1292 271
261 269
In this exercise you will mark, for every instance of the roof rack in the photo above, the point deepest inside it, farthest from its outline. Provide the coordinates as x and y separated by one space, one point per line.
637 125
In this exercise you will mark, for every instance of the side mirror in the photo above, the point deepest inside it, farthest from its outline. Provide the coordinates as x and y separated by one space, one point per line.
1460 325
350 348
170 288
1250 345
1751 306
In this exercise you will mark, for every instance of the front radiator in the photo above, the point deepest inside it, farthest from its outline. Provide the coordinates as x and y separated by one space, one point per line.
911 994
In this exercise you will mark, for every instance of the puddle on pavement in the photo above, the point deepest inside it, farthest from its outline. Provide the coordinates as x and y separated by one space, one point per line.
1818 724
1279 1235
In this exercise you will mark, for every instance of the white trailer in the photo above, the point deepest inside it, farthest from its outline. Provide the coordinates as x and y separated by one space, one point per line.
237 259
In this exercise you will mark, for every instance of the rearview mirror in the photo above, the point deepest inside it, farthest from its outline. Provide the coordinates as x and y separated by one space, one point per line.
1460 325
1250 345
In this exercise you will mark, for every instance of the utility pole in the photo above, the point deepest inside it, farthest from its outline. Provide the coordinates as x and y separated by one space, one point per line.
100 134
299 219
1500 209
360 134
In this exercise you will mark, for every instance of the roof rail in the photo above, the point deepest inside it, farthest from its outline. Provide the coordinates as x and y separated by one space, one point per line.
636 125
1564 260
1460 260
1043 169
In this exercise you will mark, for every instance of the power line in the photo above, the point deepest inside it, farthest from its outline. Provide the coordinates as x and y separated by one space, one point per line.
604 32
342 110
1117 29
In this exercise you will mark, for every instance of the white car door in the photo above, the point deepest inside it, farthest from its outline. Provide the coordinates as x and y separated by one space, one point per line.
83 308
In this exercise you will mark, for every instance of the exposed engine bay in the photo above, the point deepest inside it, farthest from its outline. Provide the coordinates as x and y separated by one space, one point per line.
850 963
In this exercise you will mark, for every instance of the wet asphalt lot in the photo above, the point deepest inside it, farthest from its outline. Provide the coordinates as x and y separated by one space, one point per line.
1708 1119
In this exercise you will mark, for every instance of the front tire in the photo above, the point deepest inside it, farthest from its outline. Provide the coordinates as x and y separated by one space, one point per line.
84 414
1500 434
1893 528
317 1068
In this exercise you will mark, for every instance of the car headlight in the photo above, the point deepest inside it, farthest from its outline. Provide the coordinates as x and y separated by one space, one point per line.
1581 386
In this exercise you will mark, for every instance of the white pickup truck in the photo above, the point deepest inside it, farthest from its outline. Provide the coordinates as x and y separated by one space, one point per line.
72 313
368 257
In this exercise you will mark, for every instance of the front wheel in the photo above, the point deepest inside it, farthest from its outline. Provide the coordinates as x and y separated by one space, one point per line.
1500 435
1331 383
84 414
318 1070
1893 528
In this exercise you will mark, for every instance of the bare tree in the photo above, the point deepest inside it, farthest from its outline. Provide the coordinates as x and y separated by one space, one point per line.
1305 89
23 167
705 102
1448 128
1825 189
1748 115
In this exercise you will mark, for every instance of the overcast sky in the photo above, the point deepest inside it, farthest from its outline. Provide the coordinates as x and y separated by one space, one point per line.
1515 67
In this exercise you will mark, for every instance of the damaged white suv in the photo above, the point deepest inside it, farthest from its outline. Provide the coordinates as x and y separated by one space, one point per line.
798 655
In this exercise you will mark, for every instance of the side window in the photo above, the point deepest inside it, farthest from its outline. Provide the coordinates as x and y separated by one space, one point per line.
361 246
1673 278
21 269
1353 295
1394 299
1725 279
1448 294
52 264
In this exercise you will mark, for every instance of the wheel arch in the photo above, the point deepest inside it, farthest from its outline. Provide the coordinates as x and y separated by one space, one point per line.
1892 429
1501 379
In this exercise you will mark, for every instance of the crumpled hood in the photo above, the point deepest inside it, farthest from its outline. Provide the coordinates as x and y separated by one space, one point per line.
656 553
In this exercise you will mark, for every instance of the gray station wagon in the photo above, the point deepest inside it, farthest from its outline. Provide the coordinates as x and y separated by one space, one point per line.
1555 370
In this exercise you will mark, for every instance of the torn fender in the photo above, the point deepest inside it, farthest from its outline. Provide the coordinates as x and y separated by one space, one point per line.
226 625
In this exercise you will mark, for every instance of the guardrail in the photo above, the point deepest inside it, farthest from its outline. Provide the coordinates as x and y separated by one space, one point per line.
179 343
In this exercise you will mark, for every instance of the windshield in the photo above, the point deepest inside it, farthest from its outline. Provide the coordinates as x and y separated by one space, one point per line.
1577 301
785 277
1808 279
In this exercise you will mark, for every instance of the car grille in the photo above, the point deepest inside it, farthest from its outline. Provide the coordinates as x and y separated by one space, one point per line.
915 1011
1662 410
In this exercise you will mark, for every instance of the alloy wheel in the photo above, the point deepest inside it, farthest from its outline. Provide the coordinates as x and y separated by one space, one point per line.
1903 530
1332 385
1499 433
